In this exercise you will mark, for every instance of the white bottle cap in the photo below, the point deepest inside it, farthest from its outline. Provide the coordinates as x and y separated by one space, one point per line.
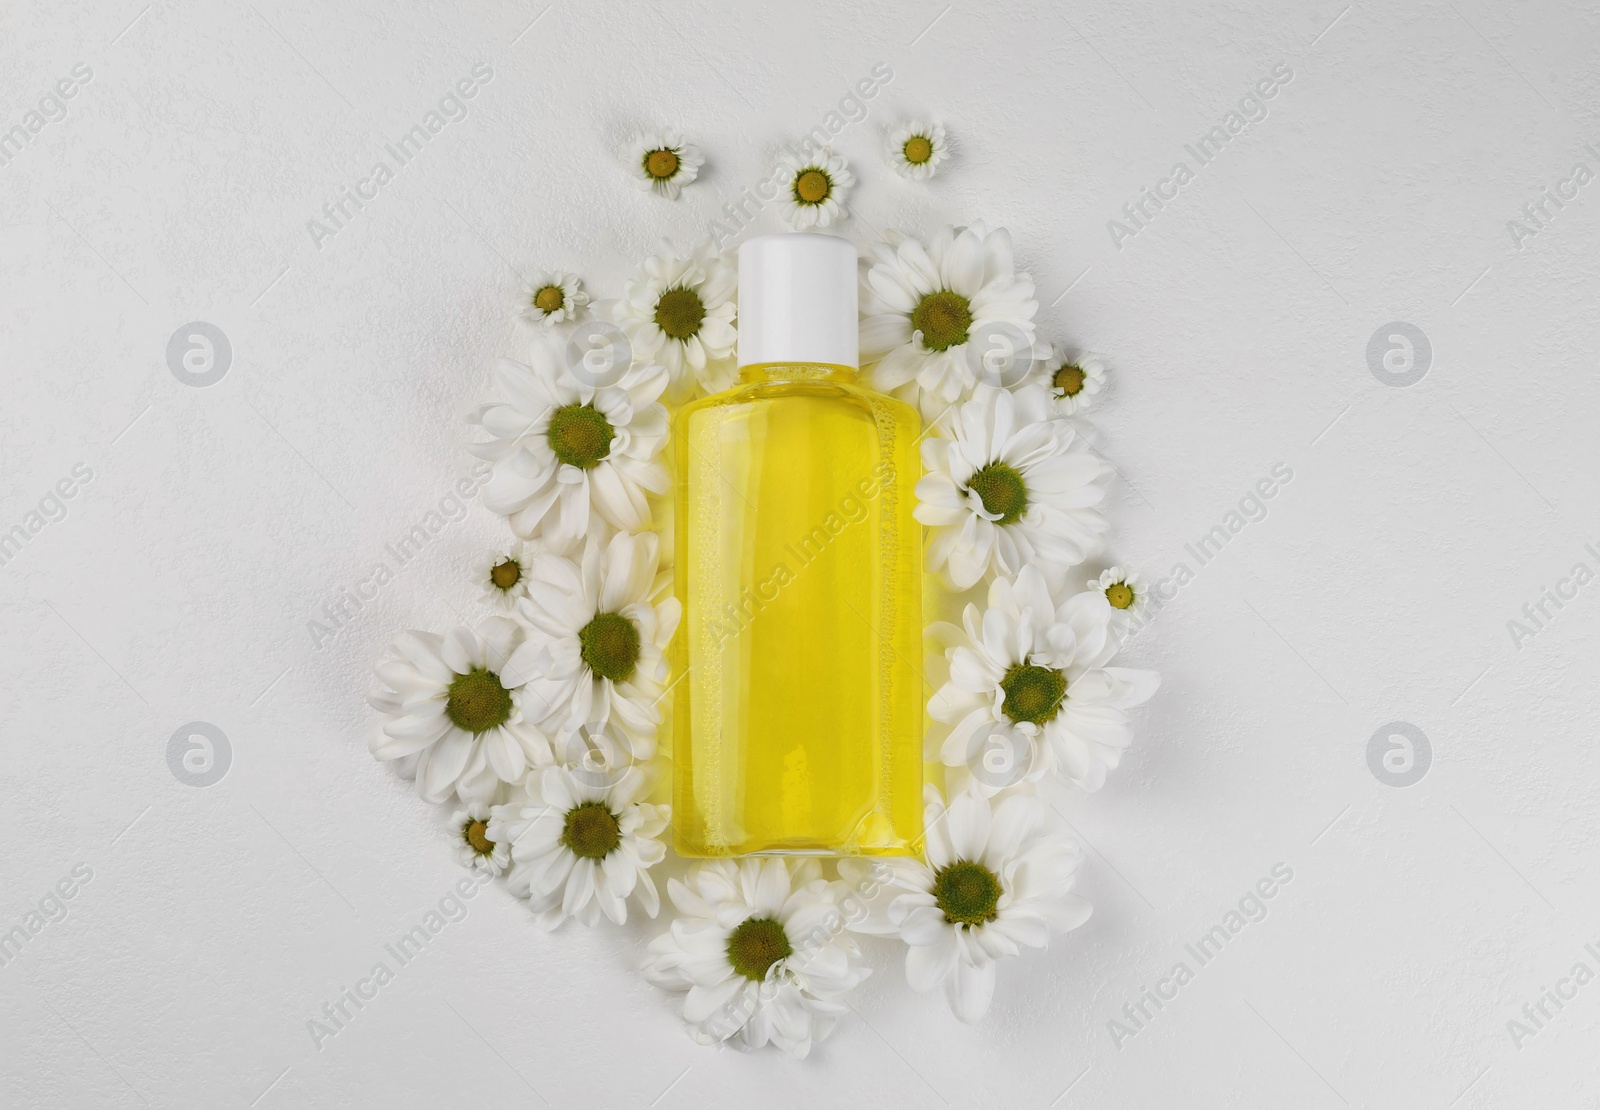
797 300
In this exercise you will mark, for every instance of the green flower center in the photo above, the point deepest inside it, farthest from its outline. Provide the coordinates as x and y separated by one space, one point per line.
679 313
757 944
478 702
505 575
943 319
1120 595
591 831
580 435
661 164
1002 491
475 833
1069 380
549 299
967 892
812 187
918 149
1032 694
609 645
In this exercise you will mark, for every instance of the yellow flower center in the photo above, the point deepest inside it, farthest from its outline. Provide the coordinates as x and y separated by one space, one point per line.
661 164
580 436
609 646
1119 595
755 945
1069 380
505 575
1033 694
1002 491
477 702
475 833
549 299
812 187
591 831
679 313
918 149
943 319
968 893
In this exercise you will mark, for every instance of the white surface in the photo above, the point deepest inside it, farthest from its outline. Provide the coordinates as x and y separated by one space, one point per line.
797 300
220 520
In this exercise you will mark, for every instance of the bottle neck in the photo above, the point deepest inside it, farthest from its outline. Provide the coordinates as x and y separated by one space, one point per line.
797 372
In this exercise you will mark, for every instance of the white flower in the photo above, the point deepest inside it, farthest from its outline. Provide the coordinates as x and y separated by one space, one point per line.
469 828
458 722
663 162
994 881
1030 692
761 951
581 847
1073 380
552 298
1008 486
572 459
504 574
916 149
679 311
595 652
813 188
1126 595
921 305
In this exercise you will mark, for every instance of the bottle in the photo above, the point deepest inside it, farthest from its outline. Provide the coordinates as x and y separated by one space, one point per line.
797 717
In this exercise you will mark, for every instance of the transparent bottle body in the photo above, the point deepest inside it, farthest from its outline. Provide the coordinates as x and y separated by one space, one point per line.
798 704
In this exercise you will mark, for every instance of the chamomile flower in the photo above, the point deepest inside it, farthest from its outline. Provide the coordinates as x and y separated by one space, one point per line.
1125 593
469 828
760 951
921 305
813 188
458 723
1007 486
993 881
679 311
663 163
552 298
571 458
503 574
1072 379
581 849
597 638
916 149
1030 691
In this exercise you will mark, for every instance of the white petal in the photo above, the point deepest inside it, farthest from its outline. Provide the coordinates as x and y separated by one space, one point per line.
970 990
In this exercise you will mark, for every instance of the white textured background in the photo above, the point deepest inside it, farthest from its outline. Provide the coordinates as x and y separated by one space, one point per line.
220 520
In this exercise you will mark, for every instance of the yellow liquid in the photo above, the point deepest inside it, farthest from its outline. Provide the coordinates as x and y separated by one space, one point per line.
798 707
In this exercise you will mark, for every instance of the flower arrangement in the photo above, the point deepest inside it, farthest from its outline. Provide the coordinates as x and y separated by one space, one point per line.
535 729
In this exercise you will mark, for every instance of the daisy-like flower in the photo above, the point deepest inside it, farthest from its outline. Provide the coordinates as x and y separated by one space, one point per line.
920 306
596 644
761 952
571 458
458 721
1008 486
552 298
916 149
469 828
813 188
504 574
993 882
1030 692
1073 380
1126 594
581 849
663 163
679 311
